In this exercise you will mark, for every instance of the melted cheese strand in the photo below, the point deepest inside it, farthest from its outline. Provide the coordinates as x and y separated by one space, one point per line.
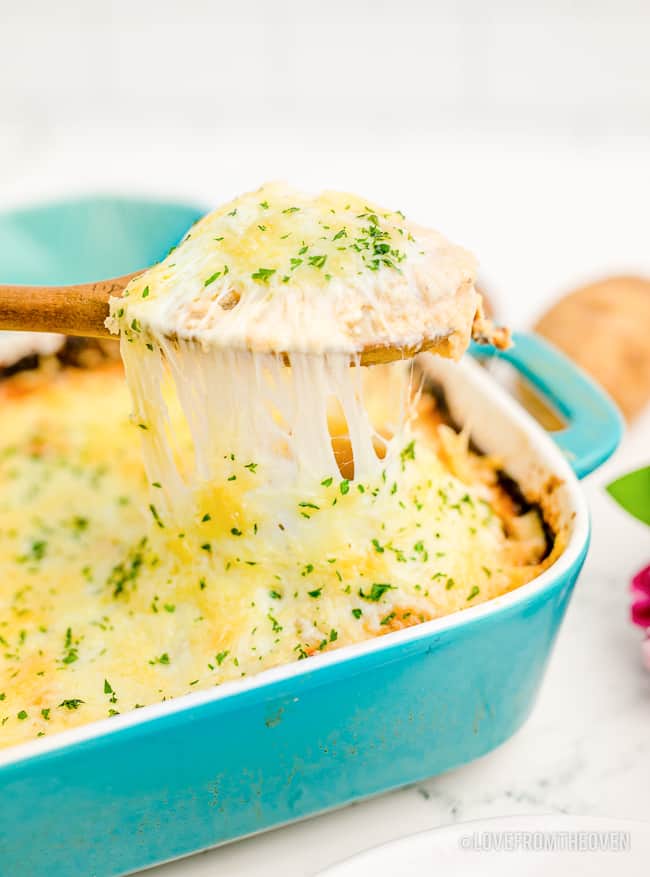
252 407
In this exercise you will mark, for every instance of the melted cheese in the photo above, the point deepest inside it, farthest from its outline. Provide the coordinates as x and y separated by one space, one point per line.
278 510
102 610
278 270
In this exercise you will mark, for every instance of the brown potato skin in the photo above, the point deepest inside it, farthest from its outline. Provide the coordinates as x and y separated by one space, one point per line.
605 328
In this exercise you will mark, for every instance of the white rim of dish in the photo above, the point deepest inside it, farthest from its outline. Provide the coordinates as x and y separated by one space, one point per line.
544 449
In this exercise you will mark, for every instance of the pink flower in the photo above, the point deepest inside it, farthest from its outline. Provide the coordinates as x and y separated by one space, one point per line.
640 609
640 588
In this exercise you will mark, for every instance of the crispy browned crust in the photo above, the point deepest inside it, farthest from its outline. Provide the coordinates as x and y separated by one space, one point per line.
485 332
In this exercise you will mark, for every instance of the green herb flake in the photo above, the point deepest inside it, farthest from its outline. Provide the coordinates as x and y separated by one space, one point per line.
212 278
162 659
263 274
376 592
156 516
72 704
317 261
407 453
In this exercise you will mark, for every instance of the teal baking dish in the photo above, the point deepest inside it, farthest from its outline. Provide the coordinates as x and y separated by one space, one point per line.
167 780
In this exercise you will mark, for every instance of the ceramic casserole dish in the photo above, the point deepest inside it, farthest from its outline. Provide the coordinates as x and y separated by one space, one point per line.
170 779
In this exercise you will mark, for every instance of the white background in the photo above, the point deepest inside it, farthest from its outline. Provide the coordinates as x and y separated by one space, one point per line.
520 129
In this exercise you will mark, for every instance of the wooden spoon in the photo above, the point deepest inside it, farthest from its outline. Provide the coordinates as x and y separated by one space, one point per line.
82 309
70 310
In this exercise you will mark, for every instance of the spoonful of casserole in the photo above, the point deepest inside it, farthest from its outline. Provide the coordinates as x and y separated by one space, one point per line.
280 271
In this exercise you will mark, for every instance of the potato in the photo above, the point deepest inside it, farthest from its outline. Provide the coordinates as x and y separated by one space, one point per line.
605 328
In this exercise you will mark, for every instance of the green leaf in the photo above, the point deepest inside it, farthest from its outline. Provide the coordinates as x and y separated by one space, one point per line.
632 492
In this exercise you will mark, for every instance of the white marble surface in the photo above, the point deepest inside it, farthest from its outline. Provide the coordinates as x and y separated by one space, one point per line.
543 214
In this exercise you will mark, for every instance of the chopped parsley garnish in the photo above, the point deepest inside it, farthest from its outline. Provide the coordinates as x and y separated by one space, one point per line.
22 715
473 593
326 482
212 278
263 274
162 659
316 593
221 657
357 613
317 261
156 516
126 573
70 652
72 704
376 592
344 486
206 517
407 453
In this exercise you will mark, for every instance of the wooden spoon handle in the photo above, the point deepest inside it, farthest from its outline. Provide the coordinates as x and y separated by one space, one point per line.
71 310
82 309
